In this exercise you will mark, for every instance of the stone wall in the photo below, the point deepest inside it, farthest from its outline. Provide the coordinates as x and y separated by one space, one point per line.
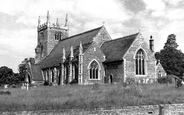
173 109
129 60
51 41
115 69
164 109
93 53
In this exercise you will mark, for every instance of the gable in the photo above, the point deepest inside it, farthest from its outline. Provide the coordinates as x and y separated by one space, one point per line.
114 50
160 69
139 43
102 37
94 51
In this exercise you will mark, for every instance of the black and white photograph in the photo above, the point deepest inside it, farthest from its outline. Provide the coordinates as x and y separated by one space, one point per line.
91 57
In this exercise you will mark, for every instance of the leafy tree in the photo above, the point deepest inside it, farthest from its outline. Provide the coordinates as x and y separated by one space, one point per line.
6 75
171 42
22 69
171 58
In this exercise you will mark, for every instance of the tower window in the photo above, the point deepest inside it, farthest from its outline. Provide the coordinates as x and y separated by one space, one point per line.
94 69
58 36
140 62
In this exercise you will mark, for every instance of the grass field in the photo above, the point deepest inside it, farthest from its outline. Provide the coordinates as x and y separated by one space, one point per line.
88 96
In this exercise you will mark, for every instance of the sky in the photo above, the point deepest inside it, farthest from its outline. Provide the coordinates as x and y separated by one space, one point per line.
19 20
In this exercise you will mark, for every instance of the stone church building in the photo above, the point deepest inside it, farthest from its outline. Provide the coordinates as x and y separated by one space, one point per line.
90 57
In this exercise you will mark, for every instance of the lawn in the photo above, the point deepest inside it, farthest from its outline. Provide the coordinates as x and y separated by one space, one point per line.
89 96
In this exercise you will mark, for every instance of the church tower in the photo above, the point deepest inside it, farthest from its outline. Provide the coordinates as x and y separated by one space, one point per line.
48 36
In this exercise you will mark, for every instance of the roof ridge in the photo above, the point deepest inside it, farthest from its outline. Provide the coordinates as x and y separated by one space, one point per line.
82 33
124 37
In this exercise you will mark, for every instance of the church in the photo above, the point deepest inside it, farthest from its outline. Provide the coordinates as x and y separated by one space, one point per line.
90 57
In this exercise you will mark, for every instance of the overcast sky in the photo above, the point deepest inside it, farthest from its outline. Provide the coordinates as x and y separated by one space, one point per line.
19 18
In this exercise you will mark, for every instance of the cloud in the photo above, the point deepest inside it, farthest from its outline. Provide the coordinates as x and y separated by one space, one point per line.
20 18
12 7
173 2
175 14
156 5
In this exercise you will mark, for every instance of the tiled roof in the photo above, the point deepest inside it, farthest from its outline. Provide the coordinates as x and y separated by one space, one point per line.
55 56
115 49
35 72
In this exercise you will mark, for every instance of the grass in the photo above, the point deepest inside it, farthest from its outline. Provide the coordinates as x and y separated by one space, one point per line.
82 97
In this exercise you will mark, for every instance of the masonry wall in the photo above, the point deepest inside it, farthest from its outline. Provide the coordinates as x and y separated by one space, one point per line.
51 42
166 109
116 70
93 53
129 61
41 44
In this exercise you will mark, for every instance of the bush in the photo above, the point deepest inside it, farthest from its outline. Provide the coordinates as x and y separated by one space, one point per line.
46 83
164 79
74 81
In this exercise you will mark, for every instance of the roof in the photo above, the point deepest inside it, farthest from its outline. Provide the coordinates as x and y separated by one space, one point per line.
35 72
55 56
115 49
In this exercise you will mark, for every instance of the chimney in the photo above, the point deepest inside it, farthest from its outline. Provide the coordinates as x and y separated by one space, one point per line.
151 43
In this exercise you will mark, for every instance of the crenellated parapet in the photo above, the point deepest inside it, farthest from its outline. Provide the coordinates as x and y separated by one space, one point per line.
50 25
53 26
42 26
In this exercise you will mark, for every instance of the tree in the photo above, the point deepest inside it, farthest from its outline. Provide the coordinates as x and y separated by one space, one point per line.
171 58
22 69
6 75
171 42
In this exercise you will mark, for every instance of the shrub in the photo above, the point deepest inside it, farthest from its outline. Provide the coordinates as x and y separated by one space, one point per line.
74 81
46 83
164 79
5 93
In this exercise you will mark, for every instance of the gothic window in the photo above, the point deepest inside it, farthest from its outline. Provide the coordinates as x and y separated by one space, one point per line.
140 62
94 69
52 75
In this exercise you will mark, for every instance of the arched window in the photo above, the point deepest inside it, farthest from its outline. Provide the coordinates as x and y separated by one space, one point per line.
94 70
140 62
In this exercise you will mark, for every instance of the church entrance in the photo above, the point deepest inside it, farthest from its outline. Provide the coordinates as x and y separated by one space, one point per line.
110 78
